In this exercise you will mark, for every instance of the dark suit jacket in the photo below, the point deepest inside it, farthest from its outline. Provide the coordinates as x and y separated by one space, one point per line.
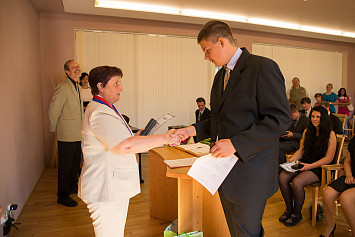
205 115
253 112
337 126
304 112
298 130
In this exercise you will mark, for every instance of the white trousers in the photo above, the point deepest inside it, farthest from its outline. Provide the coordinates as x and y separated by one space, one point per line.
109 218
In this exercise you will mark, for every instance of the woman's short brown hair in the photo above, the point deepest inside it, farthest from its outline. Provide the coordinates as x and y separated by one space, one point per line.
102 74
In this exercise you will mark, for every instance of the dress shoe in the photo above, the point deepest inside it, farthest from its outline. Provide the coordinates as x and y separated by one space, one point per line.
293 220
67 201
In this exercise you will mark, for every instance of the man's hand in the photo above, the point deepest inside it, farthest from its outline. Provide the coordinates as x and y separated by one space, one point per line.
288 134
223 148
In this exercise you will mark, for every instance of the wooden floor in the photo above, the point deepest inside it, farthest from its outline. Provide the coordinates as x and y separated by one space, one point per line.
43 217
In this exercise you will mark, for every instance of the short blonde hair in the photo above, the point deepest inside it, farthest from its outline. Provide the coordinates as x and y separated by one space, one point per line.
330 84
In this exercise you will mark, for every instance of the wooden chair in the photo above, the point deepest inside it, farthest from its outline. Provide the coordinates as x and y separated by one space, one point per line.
342 118
350 130
315 186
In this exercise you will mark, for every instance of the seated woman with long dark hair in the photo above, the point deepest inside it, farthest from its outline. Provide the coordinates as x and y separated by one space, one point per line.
343 188
317 148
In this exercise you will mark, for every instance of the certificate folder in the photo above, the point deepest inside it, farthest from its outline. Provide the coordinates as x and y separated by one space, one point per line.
149 127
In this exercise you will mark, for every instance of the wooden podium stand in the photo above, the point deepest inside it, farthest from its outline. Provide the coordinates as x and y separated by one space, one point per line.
182 196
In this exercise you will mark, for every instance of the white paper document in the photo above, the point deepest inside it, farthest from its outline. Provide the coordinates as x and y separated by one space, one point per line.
162 120
185 162
211 172
288 166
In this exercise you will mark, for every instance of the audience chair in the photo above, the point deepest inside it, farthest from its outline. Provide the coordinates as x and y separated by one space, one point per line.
351 129
315 186
342 118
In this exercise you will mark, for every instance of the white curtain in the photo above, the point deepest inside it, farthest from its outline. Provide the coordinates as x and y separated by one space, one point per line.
161 74
315 68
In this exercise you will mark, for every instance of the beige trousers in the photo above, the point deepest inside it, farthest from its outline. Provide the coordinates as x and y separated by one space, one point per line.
109 218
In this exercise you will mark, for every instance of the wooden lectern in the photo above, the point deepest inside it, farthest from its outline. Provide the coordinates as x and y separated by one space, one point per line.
175 194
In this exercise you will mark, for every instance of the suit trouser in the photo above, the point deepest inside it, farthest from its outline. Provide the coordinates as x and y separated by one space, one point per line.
109 218
69 157
244 220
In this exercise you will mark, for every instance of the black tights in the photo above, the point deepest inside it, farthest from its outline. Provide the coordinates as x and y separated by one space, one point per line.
294 194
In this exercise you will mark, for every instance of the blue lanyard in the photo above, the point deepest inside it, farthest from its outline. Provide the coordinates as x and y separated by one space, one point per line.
104 102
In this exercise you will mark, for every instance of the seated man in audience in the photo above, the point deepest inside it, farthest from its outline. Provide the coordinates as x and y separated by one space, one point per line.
202 113
306 105
335 121
290 141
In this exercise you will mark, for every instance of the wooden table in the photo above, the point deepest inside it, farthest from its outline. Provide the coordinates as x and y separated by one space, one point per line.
175 194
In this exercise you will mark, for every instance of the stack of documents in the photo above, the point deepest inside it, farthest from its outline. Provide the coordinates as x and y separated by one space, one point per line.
288 166
197 149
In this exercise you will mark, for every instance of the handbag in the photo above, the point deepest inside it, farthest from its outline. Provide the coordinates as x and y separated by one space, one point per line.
350 107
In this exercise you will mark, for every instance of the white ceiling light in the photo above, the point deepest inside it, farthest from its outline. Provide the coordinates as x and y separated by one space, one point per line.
125 5
349 34
136 7
273 23
213 15
321 30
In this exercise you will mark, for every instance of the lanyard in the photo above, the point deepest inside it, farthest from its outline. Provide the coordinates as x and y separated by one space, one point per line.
104 102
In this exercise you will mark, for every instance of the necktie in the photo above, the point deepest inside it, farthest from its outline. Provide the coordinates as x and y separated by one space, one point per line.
293 126
199 116
226 77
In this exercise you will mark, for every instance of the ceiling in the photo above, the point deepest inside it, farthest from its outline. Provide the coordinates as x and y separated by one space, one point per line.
330 14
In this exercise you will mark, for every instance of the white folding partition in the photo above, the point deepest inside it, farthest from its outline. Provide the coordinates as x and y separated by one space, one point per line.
161 74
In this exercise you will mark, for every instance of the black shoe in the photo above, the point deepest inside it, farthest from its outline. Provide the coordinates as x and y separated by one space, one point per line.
285 216
293 220
67 201
331 233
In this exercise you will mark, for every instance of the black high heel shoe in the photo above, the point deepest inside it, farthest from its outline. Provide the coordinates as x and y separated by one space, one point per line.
331 233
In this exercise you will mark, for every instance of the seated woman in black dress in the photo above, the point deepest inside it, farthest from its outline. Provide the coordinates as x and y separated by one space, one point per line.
343 187
317 148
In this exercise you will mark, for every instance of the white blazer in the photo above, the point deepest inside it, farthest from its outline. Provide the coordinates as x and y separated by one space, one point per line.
106 175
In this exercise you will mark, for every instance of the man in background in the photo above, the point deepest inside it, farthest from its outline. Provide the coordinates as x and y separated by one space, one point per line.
65 115
297 91
290 141
202 113
335 121
306 105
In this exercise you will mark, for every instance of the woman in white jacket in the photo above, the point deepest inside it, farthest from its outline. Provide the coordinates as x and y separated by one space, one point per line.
110 178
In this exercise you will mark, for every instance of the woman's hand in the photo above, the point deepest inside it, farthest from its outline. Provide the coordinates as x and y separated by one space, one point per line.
139 132
306 166
171 138
350 180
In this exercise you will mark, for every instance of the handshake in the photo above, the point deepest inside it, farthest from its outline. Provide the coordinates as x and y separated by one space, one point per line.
173 137
136 144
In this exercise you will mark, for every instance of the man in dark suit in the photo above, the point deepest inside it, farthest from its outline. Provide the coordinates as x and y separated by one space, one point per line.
337 126
290 141
306 105
249 113
202 113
